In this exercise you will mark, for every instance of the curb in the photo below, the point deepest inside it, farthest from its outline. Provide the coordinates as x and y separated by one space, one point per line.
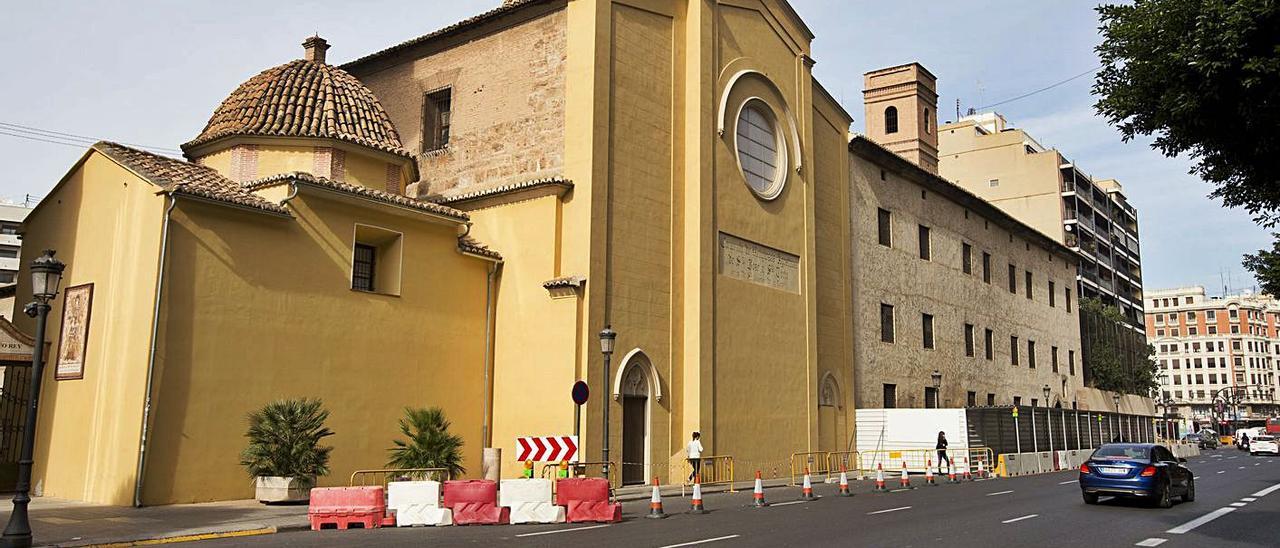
187 538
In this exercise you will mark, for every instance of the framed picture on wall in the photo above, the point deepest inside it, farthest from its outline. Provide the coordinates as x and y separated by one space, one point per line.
73 342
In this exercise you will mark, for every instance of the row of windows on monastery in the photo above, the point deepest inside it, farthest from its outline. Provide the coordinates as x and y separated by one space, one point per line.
888 334
924 239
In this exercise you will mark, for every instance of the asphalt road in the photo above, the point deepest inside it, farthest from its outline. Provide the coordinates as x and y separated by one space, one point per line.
1239 492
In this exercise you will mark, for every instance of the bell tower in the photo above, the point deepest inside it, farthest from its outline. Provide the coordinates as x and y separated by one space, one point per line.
902 112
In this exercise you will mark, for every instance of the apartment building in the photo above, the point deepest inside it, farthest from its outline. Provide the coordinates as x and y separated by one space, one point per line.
1215 348
1043 188
11 217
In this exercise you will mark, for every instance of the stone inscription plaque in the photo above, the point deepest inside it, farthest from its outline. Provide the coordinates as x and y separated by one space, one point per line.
751 262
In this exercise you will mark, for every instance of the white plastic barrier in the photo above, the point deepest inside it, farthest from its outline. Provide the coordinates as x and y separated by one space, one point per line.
1046 461
1015 464
417 503
530 501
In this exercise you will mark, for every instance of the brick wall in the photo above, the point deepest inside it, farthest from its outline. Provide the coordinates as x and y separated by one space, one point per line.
507 105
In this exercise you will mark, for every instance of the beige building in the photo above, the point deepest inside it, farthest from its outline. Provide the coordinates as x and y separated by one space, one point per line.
1214 348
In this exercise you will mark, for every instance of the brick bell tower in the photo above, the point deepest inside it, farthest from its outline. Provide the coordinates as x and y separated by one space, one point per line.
902 112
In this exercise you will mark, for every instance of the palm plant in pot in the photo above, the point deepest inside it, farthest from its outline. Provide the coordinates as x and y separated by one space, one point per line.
284 455
429 443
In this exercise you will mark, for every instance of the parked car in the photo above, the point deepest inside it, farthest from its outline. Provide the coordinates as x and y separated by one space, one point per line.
1139 470
1264 443
1202 439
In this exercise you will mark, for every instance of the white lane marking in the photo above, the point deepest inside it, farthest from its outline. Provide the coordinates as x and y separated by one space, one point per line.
1222 471
1239 504
998 493
1153 541
1248 499
703 541
786 503
1267 491
1197 477
1256 463
1028 516
563 530
1066 482
889 510
1241 467
1188 526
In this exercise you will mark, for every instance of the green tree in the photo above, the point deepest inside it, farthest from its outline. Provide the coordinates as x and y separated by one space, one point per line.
284 439
1204 77
1108 364
1265 266
429 443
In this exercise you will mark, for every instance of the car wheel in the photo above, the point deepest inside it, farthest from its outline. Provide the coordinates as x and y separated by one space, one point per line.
1252 453
1090 498
1164 499
1190 495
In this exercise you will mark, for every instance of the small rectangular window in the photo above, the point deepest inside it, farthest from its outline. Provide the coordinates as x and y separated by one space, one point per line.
886 233
363 268
930 397
1017 400
924 242
993 183
971 399
1053 358
886 323
986 267
437 109
1031 354
926 329
991 399
966 258
890 396
1029 285
1071 362
1013 349
1013 279
968 340
988 337
1052 294
1068 295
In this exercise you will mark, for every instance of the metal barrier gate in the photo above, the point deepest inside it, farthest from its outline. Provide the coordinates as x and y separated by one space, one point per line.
387 475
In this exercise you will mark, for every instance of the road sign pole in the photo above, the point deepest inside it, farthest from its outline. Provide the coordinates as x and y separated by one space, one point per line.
577 419
1017 432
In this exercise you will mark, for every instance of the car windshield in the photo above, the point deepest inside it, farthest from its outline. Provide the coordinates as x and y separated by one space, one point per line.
1264 438
1123 451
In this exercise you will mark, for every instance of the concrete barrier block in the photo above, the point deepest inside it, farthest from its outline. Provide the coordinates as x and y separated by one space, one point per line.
516 491
421 514
1045 461
405 493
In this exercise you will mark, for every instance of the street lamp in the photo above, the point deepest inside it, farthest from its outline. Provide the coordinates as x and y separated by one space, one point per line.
607 337
46 276
1116 398
937 386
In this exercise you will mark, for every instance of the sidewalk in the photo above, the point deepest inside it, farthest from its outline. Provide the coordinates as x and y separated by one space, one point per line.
57 522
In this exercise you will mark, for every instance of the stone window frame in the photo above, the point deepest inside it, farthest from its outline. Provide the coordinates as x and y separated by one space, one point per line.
781 148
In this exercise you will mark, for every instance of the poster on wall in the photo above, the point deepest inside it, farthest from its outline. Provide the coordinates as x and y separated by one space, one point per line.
77 303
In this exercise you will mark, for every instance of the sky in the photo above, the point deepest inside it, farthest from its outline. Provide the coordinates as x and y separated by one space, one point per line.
150 72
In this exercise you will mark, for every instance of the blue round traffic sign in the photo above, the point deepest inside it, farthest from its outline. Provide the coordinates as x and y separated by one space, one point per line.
580 392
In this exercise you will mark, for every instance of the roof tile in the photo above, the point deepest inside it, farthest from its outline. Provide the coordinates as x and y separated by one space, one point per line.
183 177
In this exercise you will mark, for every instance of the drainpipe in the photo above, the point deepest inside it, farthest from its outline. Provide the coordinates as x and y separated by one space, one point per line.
488 354
151 359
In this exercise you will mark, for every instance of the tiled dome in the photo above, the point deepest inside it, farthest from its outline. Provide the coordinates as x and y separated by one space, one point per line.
304 98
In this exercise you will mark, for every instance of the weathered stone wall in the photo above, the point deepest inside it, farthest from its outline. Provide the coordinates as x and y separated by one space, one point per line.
898 276
507 104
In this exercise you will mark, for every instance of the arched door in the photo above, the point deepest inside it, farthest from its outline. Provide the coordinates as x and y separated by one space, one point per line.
830 416
635 423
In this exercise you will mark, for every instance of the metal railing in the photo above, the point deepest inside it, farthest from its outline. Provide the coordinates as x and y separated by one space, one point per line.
714 470
916 460
842 460
816 462
387 475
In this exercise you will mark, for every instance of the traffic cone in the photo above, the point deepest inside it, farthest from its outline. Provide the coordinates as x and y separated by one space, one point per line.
696 501
757 494
844 483
951 473
655 503
982 469
928 473
968 476
806 491
904 481
880 488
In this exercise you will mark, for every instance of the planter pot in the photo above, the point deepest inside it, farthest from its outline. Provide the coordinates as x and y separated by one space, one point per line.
281 489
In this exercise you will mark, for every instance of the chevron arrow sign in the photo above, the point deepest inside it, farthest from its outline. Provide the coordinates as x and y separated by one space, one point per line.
547 448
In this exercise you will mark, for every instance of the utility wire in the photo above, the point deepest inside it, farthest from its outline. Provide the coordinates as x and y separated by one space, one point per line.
1043 89
68 139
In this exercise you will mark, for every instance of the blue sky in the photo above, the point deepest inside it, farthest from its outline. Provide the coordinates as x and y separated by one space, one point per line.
152 72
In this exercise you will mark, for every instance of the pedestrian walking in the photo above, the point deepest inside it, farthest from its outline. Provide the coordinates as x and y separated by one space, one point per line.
942 450
694 451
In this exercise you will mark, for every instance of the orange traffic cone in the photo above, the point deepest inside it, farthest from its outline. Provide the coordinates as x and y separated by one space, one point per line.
928 473
806 491
905 480
951 472
844 483
880 488
655 503
697 496
982 469
757 495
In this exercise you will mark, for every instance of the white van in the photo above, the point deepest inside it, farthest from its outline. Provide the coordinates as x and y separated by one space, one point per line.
1251 432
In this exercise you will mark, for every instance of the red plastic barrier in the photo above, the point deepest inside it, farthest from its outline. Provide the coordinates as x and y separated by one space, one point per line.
475 502
587 500
343 507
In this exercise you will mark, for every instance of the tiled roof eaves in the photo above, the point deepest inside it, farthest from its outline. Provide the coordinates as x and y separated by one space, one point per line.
566 281
513 187
361 191
862 144
206 139
505 8
185 178
471 246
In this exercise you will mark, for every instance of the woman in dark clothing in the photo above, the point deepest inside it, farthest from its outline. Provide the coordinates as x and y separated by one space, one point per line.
942 450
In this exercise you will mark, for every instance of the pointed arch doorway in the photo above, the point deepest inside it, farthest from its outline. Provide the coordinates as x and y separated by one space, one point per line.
637 388
831 423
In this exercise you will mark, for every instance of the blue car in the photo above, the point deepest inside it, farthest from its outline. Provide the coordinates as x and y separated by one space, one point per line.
1139 470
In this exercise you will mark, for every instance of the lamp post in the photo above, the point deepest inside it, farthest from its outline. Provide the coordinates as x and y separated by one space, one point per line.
607 336
1116 399
46 276
1048 416
937 388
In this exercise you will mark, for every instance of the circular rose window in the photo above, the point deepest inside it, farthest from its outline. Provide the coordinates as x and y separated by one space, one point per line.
761 155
